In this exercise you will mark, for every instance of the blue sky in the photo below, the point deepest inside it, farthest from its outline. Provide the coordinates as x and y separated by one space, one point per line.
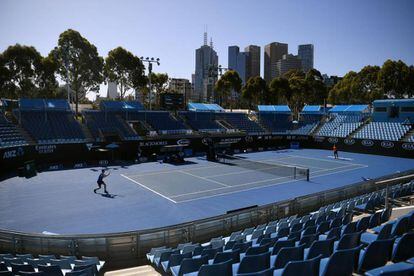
347 34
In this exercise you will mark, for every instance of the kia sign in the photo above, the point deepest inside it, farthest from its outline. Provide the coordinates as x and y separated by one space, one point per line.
367 143
408 146
387 144
333 140
349 141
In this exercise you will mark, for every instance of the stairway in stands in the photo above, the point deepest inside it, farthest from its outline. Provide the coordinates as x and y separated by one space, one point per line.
407 135
352 134
87 133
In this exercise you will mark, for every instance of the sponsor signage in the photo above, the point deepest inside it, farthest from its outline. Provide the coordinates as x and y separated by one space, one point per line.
248 139
387 144
349 141
367 143
79 165
319 139
183 142
408 146
333 140
45 149
231 140
103 162
13 153
153 143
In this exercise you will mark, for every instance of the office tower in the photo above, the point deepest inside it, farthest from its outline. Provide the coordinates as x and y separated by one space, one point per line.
253 61
205 72
305 53
288 62
273 52
238 62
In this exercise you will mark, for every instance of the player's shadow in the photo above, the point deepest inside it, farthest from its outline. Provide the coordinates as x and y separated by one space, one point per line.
112 196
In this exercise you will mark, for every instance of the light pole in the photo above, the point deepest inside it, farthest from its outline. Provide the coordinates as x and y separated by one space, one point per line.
150 61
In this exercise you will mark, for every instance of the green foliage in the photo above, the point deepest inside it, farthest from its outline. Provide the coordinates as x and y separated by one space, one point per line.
393 80
254 91
279 91
80 57
159 82
124 68
25 73
230 81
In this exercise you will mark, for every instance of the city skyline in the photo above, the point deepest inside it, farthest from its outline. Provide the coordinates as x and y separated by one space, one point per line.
379 30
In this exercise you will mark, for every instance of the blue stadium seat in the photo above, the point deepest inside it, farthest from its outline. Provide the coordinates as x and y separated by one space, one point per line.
376 254
324 248
348 241
188 265
307 267
403 248
16 268
287 254
52 270
397 269
340 263
253 263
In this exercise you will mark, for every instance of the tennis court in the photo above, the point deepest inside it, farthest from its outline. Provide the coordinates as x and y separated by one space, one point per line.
208 179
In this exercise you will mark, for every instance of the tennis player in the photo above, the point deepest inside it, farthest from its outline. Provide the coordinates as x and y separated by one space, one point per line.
101 182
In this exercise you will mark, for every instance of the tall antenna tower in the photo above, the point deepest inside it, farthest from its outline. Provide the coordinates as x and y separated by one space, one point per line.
211 43
205 35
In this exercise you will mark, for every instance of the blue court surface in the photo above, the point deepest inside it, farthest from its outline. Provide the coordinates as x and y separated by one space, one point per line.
156 194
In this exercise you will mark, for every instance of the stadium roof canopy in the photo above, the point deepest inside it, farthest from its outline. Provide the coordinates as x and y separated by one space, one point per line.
396 102
273 108
312 109
121 106
349 108
204 107
42 104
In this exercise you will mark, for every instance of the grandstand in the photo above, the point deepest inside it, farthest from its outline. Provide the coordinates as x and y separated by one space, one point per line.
10 135
272 200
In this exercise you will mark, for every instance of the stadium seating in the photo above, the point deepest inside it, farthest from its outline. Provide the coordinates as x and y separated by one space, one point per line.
202 121
240 121
304 248
26 264
51 126
276 122
100 123
389 131
10 135
340 125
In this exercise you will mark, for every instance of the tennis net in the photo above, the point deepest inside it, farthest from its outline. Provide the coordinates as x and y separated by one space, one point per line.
281 170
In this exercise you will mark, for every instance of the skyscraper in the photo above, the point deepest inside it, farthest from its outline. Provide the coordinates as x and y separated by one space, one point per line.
305 53
205 72
238 62
273 52
288 62
253 62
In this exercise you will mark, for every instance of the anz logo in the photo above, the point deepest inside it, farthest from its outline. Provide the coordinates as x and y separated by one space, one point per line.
13 153
333 140
387 144
408 146
367 143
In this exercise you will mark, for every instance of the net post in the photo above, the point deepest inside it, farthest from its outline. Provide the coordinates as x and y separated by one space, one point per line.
294 172
307 175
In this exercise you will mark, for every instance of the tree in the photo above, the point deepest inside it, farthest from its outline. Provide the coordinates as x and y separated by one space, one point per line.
369 88
230 81
279 91
254 91
343 91
394 79
125 69
80 58
25 73
317 91
159 82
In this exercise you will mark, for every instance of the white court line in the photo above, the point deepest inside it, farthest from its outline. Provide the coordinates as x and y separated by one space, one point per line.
324 160
253 188
340 158
261 181
178 170
142 185
205 179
